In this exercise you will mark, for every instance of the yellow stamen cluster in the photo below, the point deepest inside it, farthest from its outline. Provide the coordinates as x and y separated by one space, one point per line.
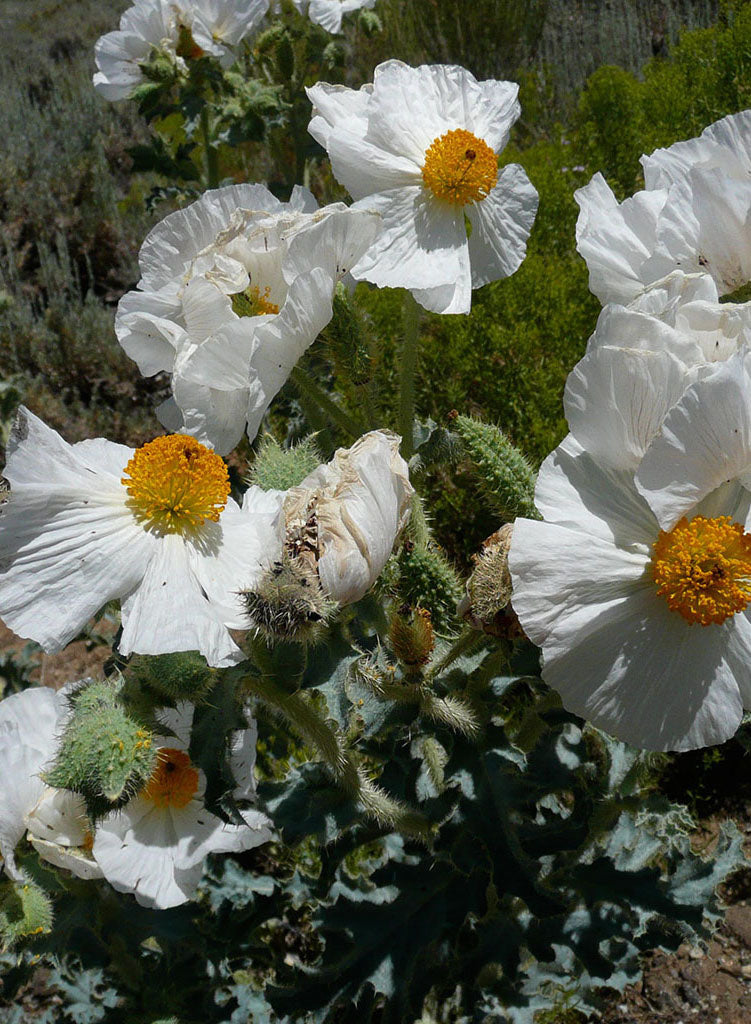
702 568
253 302
175 780
460 168
175 484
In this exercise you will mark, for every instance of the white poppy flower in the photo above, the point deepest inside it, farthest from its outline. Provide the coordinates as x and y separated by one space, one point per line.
420 146
693 216
95 521
632 637
329 13
642 358
234 289
357 505
150 25
54 820
155 846
219 25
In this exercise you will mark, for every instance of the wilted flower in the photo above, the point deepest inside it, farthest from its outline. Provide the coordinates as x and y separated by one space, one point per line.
349 513
637 589
54 820
94 521
329 13
166 26
692 216
155 846
420 146
234 289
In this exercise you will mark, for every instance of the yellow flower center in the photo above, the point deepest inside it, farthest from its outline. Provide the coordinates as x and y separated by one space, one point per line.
460 168
175 780
253 302
175 484
703 568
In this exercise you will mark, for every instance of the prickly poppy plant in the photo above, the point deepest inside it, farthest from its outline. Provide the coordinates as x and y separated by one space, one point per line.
322 776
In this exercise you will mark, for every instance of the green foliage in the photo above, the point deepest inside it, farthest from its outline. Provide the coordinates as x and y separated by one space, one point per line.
279 468
104 754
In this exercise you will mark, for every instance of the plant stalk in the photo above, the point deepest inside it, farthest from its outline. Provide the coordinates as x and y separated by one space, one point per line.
336 414
408 372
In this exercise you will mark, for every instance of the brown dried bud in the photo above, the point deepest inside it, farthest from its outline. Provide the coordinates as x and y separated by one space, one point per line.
486 604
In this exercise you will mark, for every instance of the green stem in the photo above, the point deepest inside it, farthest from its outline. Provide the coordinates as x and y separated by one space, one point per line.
210 151
408 372
336 414
315 731
467 640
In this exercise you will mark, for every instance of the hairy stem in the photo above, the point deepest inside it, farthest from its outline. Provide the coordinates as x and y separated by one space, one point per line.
336 414
316 732
210 151
407 373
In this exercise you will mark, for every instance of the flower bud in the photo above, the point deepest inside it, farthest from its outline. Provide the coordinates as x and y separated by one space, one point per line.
25 912
174 677
288 603
427 579
504 474
411 636
104 754
278 469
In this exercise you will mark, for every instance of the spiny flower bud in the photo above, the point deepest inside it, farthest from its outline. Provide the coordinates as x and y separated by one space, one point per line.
427 580
277 468
411 636
504 474
174 677
25 912
104 754
489 587
288 603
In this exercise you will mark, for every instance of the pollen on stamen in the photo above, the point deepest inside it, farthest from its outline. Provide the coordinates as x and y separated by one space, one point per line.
175 484
460 168
175 780
702 568
254 302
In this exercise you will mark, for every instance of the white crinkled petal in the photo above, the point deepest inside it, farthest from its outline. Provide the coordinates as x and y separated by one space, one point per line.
336 105
206 310
22 764
334 240
576 491
724 145
616 400
422 244
171 245
704 442
151 340
215 416
501 224
169 611
68 543
617 239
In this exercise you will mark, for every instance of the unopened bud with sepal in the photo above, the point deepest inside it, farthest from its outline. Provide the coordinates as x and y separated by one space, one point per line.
411 636
25 912
105 754
288 603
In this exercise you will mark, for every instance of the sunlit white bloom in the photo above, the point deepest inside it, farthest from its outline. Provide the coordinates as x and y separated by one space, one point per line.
54 820
329 13
357 504
234 289
95 521
157 25
693 216
420 146
632 637
155 846
642 358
